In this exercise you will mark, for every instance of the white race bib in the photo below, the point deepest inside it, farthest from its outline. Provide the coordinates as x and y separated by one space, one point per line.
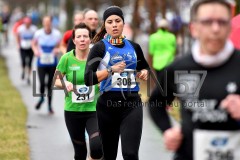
47 58
26 44
216 145
83 95
126 79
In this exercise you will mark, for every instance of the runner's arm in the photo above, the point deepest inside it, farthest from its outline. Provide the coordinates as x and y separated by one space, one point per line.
161 98
60 83
18 39
63 47
35 47
91 77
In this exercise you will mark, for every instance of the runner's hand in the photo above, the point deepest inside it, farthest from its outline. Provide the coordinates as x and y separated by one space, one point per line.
69 86
172 138
56 51
232 105
18 46
119 67
37 54
143 74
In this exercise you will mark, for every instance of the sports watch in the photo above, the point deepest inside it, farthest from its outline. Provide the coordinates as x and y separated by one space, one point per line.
109 69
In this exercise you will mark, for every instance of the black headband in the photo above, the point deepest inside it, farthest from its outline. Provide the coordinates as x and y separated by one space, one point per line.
113 10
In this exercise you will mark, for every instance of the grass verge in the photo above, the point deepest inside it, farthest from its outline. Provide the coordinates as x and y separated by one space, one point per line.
13 116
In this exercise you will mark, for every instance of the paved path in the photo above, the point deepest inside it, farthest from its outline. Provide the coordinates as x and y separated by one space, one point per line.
48 137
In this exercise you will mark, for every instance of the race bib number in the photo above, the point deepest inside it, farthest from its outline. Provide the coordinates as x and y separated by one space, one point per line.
47 58
26 44
126 79
216 145
83 94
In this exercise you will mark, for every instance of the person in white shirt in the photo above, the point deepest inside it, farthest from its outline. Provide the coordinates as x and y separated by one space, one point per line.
45 45
24 35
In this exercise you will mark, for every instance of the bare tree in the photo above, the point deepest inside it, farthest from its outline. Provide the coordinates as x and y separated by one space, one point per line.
118 3
136 19
237 6
163 7
152 9
70 10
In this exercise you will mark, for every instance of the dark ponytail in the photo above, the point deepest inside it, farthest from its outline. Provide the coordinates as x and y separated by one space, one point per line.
99 35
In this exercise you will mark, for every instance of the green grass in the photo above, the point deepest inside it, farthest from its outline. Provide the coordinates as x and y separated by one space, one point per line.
13 115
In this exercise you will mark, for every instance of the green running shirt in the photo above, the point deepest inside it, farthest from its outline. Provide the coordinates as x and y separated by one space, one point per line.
162 47
68 65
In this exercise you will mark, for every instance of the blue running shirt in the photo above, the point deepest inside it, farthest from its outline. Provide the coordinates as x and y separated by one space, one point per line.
46 43
125 81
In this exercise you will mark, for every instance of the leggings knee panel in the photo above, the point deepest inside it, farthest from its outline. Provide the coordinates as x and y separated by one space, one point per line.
95 147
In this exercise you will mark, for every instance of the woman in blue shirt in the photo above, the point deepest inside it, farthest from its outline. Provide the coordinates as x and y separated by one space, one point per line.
114 62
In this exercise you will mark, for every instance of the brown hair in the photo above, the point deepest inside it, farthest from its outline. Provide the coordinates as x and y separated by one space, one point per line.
199 3
80 26
100 34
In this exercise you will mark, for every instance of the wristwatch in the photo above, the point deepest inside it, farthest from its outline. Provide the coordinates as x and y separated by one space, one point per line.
109 69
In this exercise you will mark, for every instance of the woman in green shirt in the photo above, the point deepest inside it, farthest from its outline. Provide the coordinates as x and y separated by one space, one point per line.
80 100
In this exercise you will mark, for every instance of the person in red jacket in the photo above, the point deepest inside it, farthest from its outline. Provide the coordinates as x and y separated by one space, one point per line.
78 18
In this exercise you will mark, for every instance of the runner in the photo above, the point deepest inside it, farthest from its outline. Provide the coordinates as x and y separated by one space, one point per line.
24 36
45 45
80 108
207 84
162 47
113 61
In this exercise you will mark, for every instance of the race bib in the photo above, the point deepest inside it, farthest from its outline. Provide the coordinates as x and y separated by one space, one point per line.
216 145
26 44
83 94
47 58
126 79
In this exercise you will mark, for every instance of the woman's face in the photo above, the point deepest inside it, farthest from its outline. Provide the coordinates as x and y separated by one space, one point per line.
81 39
114 26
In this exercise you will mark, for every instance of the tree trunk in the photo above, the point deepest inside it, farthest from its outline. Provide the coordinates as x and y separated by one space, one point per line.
70 10
163 8
118 3
151 5
136 19
237 6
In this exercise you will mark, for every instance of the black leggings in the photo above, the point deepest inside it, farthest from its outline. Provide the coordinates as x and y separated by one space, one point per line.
123 119
76 123
42 72
26 57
